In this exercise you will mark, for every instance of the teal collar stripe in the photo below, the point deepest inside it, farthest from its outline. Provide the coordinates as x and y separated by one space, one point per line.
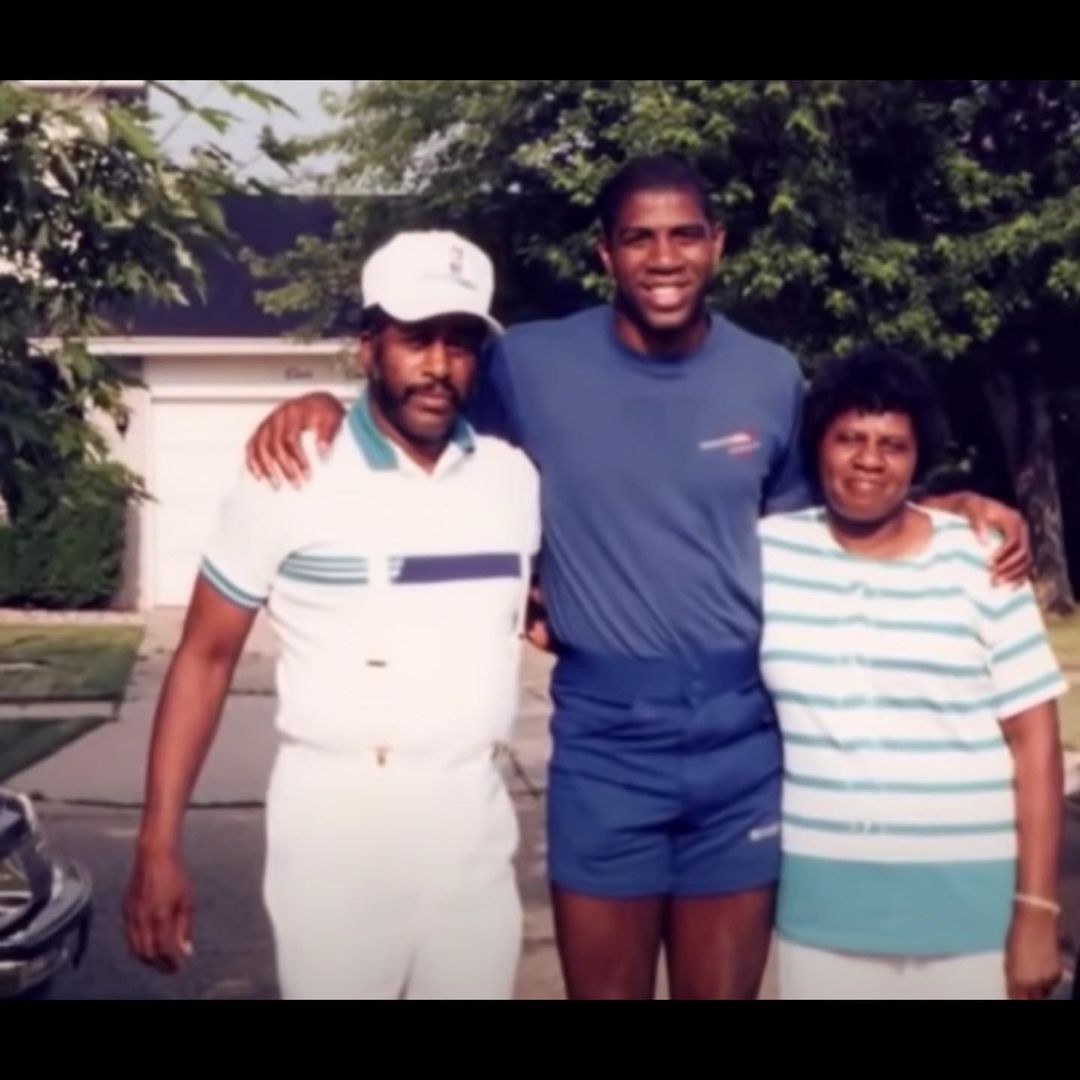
377 449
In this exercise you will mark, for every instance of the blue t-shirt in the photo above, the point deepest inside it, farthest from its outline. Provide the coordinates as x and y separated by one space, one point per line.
653 476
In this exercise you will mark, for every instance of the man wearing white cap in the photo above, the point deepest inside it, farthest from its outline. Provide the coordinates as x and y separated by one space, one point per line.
396 581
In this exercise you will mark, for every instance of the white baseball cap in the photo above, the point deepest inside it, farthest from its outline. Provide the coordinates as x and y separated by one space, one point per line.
420 275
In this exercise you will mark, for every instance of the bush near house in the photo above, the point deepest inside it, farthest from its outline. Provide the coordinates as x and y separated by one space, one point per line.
65 547
7 560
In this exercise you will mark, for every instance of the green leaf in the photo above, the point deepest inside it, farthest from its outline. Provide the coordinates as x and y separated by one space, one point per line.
210 214
258 97
132 134
218 119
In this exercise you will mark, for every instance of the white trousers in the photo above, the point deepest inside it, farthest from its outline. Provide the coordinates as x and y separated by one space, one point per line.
391 880
807 973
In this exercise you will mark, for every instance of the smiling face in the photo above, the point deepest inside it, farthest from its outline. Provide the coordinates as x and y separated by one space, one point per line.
866 464
661 251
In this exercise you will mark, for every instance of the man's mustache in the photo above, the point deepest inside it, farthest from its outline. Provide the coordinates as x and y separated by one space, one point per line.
443 385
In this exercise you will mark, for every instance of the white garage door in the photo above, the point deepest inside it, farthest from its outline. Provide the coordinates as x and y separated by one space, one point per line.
198 448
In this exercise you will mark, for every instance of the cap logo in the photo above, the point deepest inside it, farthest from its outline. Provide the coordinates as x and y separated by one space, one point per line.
457 261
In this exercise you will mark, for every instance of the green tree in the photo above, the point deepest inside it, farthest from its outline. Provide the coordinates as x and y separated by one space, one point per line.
94 216
942 216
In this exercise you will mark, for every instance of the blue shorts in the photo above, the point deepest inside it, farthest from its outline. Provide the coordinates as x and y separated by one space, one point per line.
665 777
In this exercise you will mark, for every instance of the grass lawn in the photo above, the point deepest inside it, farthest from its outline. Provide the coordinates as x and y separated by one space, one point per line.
50 663
1065 637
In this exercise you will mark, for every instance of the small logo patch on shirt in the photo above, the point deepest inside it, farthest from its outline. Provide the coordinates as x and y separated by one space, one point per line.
738 442
765 832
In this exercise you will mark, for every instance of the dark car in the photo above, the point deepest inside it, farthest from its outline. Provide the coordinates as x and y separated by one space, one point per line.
45 904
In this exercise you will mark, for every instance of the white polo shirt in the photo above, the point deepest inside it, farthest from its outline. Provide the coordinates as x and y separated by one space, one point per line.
398 595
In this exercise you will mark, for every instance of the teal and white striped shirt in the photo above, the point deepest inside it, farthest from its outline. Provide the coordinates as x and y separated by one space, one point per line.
891 679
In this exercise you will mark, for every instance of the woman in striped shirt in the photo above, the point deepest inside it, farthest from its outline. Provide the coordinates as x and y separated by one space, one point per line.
923 783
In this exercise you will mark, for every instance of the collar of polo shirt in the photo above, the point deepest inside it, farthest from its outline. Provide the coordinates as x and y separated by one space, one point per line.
379 451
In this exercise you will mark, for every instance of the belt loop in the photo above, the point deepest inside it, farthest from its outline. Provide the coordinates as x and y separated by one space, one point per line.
381 753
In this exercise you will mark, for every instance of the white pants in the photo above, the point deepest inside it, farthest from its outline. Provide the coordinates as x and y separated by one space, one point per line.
808 974
392 880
